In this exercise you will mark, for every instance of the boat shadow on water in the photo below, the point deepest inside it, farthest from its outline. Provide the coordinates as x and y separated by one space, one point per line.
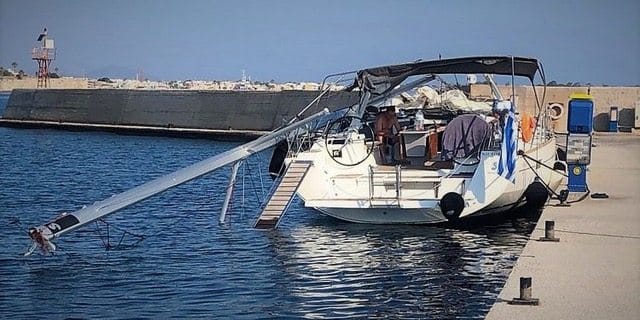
521 221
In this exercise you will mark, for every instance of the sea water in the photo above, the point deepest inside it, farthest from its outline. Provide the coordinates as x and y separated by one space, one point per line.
169 257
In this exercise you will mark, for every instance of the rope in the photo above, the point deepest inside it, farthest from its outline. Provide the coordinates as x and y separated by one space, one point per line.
546 186
595 234
584 196
557 196
525 156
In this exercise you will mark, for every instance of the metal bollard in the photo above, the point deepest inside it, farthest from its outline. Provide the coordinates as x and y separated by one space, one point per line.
525 288
549 231
525 294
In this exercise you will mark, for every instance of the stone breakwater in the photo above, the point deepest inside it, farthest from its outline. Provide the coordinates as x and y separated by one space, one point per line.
209 110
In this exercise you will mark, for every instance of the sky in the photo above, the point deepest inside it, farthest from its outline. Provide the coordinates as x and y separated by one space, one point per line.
586 41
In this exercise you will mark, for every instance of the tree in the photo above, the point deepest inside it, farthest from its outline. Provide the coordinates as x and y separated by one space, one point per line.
14 66
5 73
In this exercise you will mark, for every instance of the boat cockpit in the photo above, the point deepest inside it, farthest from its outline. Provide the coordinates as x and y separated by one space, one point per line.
431 127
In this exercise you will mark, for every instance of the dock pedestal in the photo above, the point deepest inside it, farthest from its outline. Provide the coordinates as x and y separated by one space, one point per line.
525 294
549 230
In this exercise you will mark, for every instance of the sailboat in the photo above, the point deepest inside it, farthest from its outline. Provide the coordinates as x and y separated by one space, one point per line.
466 158
456 157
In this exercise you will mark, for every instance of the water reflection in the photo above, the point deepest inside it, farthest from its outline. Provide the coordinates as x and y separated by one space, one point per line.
189 266
342 269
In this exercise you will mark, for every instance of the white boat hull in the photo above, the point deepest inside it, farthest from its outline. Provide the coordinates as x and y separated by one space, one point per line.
347 193
385 215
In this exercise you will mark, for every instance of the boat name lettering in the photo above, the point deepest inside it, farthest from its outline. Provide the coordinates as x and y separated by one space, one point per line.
491 153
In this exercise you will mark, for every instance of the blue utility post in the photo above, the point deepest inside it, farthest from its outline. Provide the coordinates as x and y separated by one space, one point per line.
580 126
613 119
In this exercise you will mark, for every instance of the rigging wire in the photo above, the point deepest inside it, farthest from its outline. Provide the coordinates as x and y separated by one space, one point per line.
106 240
142 237
244 174
253 182
539 103
260 173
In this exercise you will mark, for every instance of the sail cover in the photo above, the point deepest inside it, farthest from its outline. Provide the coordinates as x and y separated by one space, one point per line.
380 80
464 136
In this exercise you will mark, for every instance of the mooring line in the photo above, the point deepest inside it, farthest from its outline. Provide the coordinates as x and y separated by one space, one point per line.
595 234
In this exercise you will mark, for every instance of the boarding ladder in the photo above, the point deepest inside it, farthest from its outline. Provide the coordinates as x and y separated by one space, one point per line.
379 178
282 196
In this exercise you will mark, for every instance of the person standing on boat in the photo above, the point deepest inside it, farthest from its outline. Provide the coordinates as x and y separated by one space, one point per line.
387 131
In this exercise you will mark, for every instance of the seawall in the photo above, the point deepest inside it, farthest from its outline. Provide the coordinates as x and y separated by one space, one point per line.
256 111
625 98
10 83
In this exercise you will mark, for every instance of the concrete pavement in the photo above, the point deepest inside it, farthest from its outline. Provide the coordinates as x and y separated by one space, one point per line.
594 271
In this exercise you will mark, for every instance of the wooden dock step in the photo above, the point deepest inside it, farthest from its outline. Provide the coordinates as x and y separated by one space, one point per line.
281 198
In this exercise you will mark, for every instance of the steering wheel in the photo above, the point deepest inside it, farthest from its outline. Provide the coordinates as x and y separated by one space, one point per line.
343 125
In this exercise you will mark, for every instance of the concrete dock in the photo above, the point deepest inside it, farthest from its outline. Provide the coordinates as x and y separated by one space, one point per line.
593 272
